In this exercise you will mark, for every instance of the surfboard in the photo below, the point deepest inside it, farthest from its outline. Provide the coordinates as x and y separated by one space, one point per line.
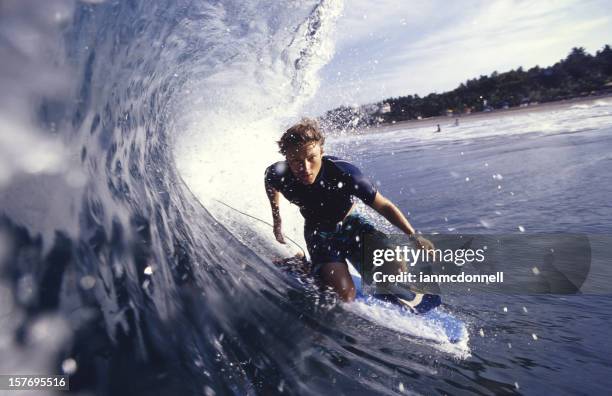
438 325
444 326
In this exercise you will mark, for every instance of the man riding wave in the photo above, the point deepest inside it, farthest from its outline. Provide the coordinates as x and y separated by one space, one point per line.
323 188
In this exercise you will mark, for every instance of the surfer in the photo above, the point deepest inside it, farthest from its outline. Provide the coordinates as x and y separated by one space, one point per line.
322 187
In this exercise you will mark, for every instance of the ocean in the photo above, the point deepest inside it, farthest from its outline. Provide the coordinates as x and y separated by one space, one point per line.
127 127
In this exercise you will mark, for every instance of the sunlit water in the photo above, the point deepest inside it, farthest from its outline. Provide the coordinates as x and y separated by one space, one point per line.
535 172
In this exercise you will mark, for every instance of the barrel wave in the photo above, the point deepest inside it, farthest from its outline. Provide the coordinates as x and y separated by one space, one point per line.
112 270
134 251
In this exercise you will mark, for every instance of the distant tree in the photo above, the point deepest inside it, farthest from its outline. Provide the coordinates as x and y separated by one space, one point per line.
604 61
580 73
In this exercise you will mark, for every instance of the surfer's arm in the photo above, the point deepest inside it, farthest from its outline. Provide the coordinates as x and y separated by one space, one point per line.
274 198
390 212
395 216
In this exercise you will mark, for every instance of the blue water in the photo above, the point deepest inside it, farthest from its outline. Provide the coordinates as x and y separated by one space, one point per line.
121 123
551 182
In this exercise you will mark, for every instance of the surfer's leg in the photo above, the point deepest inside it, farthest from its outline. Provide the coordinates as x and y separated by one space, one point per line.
365 231
327 251
336 275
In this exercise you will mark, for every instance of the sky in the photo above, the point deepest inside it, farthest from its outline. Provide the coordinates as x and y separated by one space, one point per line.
389 48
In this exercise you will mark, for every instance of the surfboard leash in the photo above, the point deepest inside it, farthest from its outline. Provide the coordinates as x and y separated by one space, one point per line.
262 221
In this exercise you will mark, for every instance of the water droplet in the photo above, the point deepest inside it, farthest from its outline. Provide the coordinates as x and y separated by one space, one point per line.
87 282
69 366
485 223
25 289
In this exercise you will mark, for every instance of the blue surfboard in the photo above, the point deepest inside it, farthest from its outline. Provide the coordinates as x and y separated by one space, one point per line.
448 326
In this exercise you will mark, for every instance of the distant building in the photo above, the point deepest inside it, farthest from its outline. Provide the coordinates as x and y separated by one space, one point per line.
385 108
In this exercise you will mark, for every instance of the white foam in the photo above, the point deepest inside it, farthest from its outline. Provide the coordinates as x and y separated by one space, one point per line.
592 115
426 329
235 113
419 328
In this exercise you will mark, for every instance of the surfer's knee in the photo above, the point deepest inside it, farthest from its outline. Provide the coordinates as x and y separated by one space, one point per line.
344 289
347 292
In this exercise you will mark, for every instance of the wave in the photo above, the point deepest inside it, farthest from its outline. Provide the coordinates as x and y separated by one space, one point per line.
113 268
593 104
122 127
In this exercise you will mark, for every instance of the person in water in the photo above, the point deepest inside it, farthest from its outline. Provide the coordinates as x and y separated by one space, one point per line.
322 187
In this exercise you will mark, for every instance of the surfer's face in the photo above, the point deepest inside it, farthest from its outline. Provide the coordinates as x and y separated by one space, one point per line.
305 161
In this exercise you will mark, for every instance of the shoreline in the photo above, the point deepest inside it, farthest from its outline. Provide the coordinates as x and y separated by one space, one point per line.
446 120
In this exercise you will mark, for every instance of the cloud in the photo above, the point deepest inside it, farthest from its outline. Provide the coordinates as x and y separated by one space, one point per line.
398 48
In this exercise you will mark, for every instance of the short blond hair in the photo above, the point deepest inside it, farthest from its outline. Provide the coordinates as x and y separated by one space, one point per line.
305 131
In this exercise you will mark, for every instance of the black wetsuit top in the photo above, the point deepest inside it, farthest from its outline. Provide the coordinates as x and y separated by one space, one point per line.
325 202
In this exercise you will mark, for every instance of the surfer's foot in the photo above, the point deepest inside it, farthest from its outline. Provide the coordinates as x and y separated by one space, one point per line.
417 303
422 303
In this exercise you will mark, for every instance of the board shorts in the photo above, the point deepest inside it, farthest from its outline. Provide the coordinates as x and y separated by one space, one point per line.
342 243
345 242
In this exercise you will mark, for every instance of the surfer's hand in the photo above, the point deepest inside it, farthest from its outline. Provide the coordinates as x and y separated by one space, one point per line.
278 233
